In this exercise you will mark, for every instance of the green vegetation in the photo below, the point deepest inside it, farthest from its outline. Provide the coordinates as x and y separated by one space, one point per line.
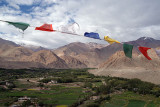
57 95
131 99
136 103
151 104
73 87
97 84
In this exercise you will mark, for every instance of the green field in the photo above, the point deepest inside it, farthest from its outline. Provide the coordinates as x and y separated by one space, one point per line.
97 84
130 99
136 103
58 95
74 87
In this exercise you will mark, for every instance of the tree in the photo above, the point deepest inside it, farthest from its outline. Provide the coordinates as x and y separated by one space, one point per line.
40 104
46 80
64 80
104 89
40 85
6 104
88 84
11 85
92 105
2 89
133 83
26 103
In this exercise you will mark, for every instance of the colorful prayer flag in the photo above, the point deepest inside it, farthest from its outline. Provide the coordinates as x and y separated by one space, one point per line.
109 40
143 50
71 28
127 48
20 25
45 27
92 35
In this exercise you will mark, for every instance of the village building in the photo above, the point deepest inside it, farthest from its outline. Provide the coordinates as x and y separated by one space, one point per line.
24 99
53 82
94 97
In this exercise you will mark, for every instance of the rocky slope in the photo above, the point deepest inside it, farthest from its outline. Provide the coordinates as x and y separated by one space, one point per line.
34 48
74 55
72 49
16 56
73 62
138 67
88 53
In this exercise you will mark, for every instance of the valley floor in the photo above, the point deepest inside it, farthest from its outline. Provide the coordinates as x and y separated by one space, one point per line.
130 73
73 88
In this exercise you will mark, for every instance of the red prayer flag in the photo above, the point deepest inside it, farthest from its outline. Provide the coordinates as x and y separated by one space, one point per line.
143 50
45 27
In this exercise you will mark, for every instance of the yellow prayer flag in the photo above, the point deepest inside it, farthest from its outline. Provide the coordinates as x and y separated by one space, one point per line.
109 40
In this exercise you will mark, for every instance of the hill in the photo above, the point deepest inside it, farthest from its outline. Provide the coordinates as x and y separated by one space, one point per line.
73 55
16 56
138 67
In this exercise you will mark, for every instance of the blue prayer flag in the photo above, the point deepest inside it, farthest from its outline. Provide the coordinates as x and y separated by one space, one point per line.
92 35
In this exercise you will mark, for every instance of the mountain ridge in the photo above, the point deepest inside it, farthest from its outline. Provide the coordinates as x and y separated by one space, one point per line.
73 55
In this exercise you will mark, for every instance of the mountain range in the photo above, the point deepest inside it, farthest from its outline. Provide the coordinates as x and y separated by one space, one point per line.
138 67
109 59
27 56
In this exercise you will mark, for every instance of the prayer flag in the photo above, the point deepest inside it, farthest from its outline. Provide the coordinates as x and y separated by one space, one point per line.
143 50
45 27
71 28
20 25
109 40
92 35
128 50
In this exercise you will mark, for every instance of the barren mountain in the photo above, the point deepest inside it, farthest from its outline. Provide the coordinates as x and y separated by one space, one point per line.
5 45
34 48
46 57
16 53
93 45
109 50
73 62
74 55
19 64
138 67
15 56
146 42
117 64
93 56
87 53
72 49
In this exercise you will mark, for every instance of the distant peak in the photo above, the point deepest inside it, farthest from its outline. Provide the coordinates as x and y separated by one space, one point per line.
146 38
76 43
92 43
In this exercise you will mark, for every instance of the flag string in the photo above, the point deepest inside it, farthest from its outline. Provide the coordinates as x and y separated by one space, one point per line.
48 27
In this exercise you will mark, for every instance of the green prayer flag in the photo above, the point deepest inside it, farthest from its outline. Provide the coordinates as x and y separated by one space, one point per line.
20 25
128 50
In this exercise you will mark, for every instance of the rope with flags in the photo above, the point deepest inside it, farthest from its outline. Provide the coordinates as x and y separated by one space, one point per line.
127 48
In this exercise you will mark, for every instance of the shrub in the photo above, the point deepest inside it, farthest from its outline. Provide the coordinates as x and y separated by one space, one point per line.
26 103
46 80
104 89
92 105
40 85
65 80
87 84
